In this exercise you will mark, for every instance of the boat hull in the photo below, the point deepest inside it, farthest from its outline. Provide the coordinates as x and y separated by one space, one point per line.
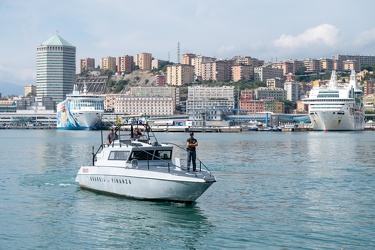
337 121
68 119
140 184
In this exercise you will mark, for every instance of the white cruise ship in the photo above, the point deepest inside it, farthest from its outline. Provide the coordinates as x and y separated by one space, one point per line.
336 107
80 111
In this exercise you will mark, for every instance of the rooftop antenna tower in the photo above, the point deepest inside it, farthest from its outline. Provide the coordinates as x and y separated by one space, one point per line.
178 52
169 56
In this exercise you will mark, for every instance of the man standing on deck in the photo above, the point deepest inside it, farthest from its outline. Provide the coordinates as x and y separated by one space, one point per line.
111 136
191 144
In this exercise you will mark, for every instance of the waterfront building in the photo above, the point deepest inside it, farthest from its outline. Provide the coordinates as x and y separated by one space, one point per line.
136 105
172 92
86 64
369 102
279 107
264 73
55 69
29 90
252 106
301 107
125 64
269 104
108 63
203 99
180 74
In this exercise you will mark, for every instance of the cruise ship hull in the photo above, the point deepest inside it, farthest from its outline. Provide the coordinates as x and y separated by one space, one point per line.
336 121
80 113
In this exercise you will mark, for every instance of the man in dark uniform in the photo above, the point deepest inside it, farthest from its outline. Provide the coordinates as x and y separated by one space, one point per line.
191 144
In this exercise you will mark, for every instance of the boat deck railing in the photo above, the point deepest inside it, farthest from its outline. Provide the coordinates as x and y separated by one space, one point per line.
201 164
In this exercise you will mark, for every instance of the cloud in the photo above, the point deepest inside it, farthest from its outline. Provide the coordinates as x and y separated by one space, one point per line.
17 76
324 35
365 38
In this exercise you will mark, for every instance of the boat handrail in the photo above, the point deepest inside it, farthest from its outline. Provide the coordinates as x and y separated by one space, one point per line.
184 149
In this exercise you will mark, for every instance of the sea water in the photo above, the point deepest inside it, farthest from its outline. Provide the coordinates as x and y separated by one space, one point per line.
290 190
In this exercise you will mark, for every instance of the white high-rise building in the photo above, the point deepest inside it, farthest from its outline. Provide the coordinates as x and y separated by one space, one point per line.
55 69
292 91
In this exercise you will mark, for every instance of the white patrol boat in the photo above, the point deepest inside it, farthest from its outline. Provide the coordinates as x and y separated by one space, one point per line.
142 169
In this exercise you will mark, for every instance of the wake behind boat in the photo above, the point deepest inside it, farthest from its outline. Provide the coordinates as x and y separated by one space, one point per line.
142 169
336 107
80 111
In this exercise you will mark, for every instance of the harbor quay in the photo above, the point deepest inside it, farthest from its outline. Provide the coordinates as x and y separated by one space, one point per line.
32 120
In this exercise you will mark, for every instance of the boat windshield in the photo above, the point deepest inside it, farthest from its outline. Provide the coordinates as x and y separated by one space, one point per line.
151 155
118 155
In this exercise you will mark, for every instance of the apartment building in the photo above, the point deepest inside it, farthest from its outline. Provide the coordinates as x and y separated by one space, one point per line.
108 63
197 63
144 61
29 90
363 60
264 93
352 65
286 67
180 74
86 64
275 83
292 91
187 58
369 87
247 60
242 72
217 70
161 80
125 64
264 73
312 65
326 64
248 103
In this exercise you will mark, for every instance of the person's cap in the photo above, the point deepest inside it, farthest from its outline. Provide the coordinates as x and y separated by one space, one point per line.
191 133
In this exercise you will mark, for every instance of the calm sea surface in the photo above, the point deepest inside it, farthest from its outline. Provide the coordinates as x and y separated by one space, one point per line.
302 190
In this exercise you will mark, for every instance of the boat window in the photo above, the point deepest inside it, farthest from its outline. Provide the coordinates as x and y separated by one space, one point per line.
142 155
118 155
163 155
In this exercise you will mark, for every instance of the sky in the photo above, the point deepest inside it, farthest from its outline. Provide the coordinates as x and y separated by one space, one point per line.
269 30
